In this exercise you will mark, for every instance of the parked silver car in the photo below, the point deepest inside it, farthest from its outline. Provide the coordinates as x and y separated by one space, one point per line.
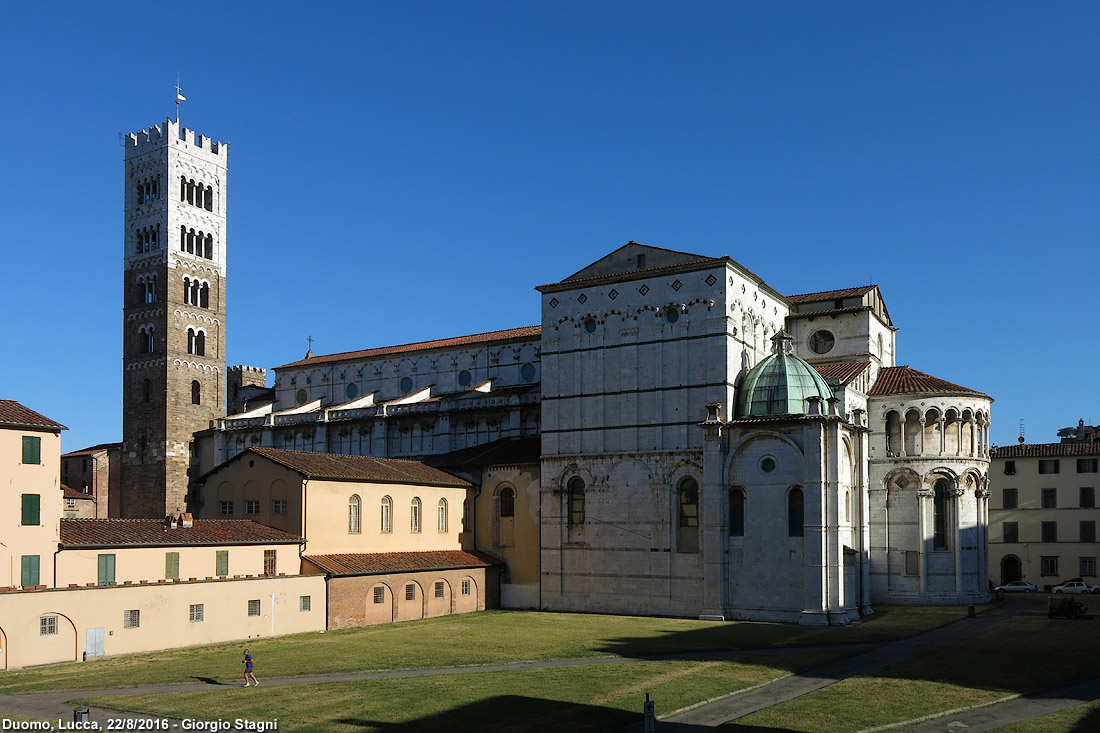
1076 586
1017 586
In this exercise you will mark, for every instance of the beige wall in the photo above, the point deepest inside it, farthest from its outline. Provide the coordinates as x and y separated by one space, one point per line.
1072 557
515 540
137 564
164 616
319 509
18 478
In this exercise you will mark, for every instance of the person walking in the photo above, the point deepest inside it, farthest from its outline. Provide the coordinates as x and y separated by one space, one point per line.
249 677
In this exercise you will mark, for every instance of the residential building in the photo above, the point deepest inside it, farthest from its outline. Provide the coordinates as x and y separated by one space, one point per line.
1044 513
94 472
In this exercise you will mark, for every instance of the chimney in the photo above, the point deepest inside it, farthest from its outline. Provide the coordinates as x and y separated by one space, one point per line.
187 520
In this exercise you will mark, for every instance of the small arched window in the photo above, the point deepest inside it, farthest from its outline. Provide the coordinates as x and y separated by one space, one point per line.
196 392
848 506
147 338
576 502
441 511
200 343
387 515
353 514
737 512
688 520
507 502
414 515
209 254
190 341
204 296
941 508
796 512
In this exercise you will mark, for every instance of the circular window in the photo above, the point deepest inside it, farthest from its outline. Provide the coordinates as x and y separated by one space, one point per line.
464 378
590 325
767 464
527 371
672 314
406 384
352 391
822 342
301 397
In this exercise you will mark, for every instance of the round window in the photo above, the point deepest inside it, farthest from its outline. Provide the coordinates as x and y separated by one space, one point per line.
527 371
822 342
672 314
302 397
590 325
464 378
767 464
406 384
352 390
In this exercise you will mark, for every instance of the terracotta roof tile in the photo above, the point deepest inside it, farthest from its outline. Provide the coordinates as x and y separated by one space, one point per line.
92 449
842 372
829 311
154 532
1046 450
14 414
511 334
506 451
831 294
907 380
359 468
71 493
400 562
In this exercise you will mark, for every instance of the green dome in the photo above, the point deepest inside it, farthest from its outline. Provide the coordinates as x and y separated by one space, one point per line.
781 383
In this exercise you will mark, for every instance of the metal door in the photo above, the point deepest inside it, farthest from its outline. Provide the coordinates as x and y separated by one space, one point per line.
94 642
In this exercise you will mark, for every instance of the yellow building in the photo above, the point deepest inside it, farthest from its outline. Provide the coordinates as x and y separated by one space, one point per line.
391 536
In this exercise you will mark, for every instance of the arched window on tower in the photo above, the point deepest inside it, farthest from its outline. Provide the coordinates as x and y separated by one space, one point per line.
796 508
208 199
196 392
204 295
146 390
190 341
687 525
209 253
183 188
200 343
183 239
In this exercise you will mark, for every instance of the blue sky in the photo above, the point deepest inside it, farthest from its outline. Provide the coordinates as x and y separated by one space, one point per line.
408 171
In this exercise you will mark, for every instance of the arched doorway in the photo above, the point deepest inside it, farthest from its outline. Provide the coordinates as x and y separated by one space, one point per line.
1010 569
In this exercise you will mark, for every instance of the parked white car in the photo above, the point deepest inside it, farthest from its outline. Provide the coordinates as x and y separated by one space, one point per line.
1075 586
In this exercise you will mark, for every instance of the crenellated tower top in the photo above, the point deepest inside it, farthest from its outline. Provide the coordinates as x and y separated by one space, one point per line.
158 136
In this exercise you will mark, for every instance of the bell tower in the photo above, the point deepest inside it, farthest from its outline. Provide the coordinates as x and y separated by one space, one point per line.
173 352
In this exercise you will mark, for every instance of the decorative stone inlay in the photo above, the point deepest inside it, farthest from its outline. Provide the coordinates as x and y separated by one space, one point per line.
644 289
711 279
582 298
613 294
676 285
553 302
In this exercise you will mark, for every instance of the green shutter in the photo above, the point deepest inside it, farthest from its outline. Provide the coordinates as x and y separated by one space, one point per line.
30 570
31 509
171 565
223 563
106 569
32 449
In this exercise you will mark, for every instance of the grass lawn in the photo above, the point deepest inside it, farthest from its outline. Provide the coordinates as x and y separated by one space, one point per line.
476 638
1080 718
577 699
1022 654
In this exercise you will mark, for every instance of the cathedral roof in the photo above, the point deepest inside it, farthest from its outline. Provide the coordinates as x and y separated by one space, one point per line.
511 334
831 294
907 380
842 372
369 563
13 414
780 384
355 468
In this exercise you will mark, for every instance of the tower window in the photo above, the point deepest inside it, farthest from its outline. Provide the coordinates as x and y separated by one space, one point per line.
196 393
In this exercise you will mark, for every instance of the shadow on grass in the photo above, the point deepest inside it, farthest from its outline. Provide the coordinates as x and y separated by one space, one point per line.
1088 724
515 714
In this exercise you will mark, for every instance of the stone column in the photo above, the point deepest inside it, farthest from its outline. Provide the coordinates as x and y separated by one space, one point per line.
958 492
925 497
714 508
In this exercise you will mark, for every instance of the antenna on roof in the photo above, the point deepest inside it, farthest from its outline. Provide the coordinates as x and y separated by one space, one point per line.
1022 431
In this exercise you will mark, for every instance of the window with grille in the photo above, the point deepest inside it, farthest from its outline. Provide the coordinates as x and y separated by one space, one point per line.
47 626
131 619
195 613
254 607
305 603
379 594
439 589
171 565
1048 566
221 563
269 562
410 592
1088 567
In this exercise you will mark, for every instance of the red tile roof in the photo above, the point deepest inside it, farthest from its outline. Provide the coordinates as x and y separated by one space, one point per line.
511 334
71 493
92 449
400 562
843 372
831 294
1046 450
154 532
907 380
16 415
356 468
